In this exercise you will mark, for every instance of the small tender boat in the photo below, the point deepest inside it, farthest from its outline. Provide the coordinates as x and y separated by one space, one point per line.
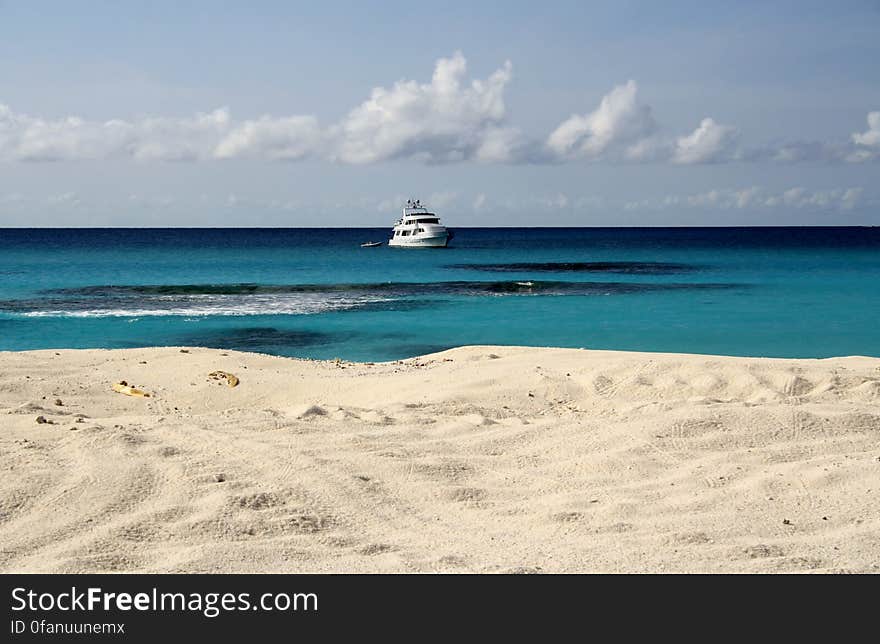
371 244
419 228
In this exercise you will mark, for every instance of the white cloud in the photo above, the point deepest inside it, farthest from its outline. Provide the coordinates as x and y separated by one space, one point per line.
28 138
850 198
278 139
754 201
709 142
500 145
619 120
871 137
652 148
449 119
793 196
867 143
589 202
623 128
151 202
445 120
711 198
799 197
861 147
64 199
754 197
171 139
11 198
558 201
747 197
799 151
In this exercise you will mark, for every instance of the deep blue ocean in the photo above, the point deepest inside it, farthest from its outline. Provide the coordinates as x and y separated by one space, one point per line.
787 292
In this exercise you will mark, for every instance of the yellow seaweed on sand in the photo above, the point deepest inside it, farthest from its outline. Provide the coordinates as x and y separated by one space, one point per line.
123 387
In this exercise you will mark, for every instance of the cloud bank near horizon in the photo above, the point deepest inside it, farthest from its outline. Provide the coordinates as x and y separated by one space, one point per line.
446 120
756 199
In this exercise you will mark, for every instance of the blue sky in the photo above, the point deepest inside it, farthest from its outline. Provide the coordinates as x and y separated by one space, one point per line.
520 113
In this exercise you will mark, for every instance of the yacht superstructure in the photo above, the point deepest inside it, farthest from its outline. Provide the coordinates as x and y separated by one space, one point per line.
419 228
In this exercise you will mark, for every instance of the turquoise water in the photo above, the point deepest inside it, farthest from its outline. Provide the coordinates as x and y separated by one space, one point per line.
787 292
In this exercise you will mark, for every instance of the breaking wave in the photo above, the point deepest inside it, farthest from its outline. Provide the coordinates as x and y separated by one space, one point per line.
189 306
196 300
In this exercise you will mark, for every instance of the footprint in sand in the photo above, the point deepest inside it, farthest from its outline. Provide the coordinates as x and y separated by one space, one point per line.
566 517
603 385
525 570
452 560
615 528
444 470
762 550
374 549
309 523
466 495
692 538
256 501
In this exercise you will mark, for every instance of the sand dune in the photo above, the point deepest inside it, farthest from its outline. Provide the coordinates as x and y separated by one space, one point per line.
482 459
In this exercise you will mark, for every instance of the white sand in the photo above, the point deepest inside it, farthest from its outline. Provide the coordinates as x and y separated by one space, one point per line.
477 459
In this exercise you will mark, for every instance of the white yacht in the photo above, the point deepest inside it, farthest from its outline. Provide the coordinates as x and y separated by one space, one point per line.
419 228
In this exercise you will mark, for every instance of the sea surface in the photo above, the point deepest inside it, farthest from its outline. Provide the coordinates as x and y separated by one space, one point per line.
785 292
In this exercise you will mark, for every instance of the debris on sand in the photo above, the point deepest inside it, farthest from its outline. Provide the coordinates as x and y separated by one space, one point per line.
123 387
231 380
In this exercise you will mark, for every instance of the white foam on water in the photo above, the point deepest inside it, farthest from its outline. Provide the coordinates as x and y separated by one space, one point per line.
202 306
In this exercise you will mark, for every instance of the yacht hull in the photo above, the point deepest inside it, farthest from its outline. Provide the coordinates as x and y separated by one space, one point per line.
437 241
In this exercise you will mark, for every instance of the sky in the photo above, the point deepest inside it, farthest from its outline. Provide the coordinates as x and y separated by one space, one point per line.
494 113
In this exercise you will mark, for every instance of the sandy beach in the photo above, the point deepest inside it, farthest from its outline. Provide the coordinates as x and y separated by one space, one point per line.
477 459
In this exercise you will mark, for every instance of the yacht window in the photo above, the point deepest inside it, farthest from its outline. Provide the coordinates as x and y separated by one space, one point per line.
433 220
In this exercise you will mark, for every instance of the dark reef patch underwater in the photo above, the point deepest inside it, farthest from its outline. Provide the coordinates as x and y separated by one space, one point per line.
625 268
